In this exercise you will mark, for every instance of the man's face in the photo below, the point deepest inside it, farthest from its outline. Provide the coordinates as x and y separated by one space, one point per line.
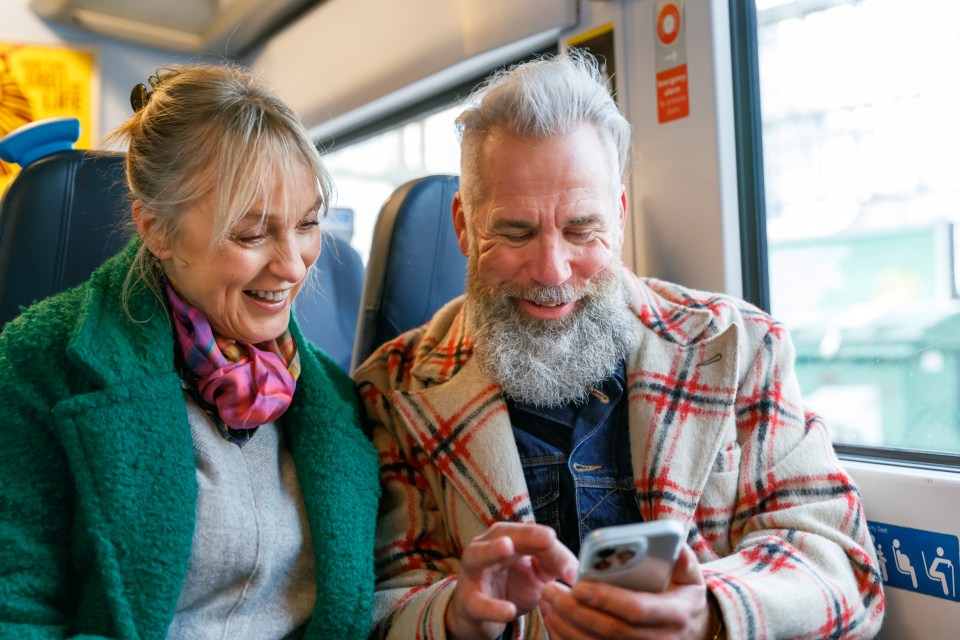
543 246
548 213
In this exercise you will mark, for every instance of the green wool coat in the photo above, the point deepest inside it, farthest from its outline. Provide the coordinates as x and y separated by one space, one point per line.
97 474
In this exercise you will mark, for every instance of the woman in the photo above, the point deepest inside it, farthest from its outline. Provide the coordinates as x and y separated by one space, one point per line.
177 460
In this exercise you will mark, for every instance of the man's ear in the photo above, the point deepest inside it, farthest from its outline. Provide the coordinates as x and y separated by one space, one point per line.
623 213
460 223
151 231
623 207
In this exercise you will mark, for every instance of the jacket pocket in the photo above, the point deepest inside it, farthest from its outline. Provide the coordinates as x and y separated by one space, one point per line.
719 500
542 474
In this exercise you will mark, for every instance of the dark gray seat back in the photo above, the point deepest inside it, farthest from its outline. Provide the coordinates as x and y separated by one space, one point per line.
415 264
60 218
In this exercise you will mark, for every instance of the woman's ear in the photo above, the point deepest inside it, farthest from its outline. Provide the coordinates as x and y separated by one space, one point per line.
151 231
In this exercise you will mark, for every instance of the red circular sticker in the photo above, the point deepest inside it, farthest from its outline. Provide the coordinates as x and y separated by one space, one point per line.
668 24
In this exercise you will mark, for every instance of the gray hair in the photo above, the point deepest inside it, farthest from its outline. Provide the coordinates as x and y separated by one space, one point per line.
211 130
547 97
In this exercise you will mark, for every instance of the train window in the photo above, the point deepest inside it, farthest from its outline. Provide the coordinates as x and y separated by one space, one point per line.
366 172
861 177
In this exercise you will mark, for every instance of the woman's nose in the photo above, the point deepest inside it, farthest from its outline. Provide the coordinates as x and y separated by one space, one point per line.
288 262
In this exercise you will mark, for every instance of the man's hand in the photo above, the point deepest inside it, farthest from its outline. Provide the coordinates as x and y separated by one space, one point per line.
503 573
595 610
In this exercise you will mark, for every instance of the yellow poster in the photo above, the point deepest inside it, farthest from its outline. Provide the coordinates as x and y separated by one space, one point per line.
45 81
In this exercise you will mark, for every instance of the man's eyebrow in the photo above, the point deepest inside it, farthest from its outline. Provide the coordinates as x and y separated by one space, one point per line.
510 224
506 224
584 221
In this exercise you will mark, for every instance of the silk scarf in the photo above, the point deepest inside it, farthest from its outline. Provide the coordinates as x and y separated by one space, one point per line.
247 384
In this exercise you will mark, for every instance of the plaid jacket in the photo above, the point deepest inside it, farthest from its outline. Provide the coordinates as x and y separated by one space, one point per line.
719 440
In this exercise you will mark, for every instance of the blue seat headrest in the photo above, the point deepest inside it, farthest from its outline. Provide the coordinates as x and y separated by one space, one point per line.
39 139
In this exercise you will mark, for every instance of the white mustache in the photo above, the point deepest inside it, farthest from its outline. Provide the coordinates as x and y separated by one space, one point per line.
552 296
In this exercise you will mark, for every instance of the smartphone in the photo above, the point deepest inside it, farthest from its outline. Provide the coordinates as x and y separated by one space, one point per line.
636 556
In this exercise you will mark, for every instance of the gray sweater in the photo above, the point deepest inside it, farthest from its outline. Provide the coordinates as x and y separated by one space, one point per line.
251 572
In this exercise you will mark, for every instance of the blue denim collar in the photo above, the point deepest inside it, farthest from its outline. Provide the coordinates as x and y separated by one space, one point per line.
607 392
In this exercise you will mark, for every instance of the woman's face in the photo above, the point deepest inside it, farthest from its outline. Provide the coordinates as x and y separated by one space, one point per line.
246 284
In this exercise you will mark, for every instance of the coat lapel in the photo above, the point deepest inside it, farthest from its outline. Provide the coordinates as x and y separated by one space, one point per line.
464 428
681 406
337 472
129 446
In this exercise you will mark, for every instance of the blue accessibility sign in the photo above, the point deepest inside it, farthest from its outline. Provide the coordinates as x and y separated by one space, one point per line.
916 560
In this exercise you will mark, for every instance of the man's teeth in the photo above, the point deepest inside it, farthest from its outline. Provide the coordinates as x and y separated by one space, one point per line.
547 304
272 296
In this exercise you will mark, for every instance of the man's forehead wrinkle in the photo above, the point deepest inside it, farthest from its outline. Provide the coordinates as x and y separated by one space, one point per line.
559 197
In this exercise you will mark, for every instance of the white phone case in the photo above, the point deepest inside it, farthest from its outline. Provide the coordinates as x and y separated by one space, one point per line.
636 556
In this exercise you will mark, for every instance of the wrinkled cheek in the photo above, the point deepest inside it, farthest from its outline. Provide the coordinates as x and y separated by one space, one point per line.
494 270
591 266
311 253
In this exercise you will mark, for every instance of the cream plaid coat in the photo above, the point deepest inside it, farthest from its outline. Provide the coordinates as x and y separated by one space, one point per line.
719 441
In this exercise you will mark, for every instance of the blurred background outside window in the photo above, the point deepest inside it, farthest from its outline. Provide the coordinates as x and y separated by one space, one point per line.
861 138
365 173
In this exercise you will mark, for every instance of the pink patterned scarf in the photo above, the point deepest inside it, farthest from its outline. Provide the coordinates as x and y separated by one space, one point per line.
248 384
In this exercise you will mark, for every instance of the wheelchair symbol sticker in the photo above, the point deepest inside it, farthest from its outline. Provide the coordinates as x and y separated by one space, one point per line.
916 560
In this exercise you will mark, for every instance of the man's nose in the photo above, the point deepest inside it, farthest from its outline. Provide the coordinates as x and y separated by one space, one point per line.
550 264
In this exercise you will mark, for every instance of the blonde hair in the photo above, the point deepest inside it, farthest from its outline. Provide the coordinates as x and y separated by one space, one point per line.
211 130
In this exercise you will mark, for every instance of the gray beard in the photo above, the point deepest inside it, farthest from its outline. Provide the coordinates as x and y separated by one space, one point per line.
547 363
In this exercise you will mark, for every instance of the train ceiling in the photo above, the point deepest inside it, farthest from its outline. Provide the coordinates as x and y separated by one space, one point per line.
227 27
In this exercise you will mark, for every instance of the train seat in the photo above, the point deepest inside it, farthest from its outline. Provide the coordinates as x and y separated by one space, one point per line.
60 216
63 215
415 264
329 303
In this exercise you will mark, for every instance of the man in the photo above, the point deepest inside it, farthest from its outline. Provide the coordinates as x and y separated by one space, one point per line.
562 394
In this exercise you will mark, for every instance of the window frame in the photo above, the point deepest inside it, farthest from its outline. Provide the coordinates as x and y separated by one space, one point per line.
748 133
748 125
